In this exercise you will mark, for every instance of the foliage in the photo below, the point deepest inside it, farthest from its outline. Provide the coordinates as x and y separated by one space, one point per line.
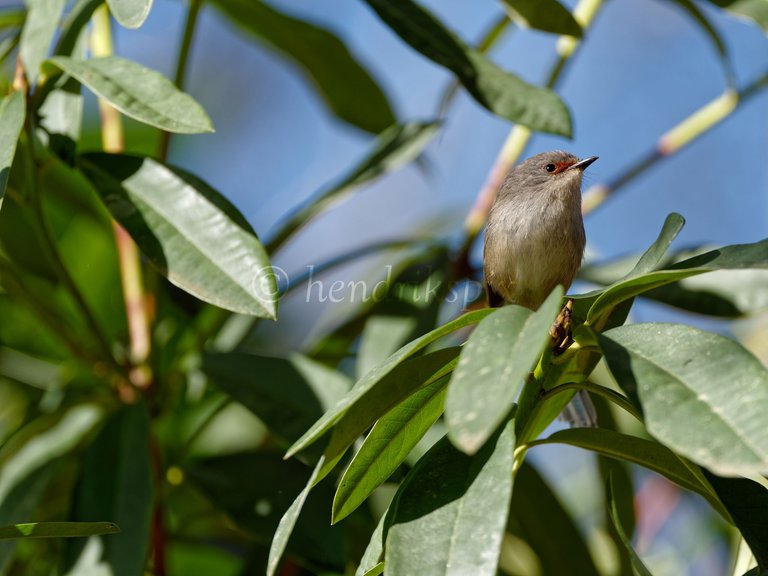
116 364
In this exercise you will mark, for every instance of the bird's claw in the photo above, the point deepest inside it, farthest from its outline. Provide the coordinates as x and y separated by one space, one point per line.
560 331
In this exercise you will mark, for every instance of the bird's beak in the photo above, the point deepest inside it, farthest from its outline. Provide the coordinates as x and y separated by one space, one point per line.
582 164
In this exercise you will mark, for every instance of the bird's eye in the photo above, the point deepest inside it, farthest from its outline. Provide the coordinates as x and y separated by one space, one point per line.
550 167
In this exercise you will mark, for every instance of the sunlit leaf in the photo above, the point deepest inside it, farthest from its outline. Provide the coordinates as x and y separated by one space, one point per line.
703 395
58 530
546 15
387 445
347 88
449 515
38 31
494 363
190 232
130 13
138 92
12 112
499 91
372 378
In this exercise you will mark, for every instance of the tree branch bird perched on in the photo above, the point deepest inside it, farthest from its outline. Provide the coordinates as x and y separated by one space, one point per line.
534 238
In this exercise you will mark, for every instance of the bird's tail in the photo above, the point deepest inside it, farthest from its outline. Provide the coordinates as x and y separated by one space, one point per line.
580 413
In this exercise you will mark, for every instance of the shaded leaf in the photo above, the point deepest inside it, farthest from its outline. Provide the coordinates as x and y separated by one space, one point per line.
647 453
116 483
130 13
143 94
58 530
387 445
372 378
494 363
347 88
702 394
637 564
274 389
545 15
374 551
499 91
190 232
538 517
12 113
38 31
395 147
449 515
747 502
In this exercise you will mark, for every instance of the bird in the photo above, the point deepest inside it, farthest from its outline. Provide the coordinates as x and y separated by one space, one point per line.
534 240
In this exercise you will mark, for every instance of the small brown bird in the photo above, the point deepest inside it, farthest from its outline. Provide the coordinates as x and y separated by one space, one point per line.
534 239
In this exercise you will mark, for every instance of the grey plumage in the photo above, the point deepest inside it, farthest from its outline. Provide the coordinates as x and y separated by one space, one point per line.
534 238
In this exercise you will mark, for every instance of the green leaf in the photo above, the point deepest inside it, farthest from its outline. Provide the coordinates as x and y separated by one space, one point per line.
376 570
545 15
494 363
747 502
374 551
11 18
38 31
702 394
654 255
539 518
755 10
288 521
637 564
190 232
646 453
12 113
387 445
395 147
372 378
738 256
138 92
58 530
116 483
499 91
450 512
276 390
347 88
130 13
404 380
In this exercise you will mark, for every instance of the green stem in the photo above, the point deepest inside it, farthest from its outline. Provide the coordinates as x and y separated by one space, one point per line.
181 63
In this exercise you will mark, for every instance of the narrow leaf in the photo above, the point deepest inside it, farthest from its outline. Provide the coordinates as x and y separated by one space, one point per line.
395 147
372 378
190 232
347 88
494 363
545 15
12 113
738 256
450 513
637 564
703 395
138 92
651 455
374 551
130 13
376 570
58 530
287 523
38 31
387 445
499 91
653 256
